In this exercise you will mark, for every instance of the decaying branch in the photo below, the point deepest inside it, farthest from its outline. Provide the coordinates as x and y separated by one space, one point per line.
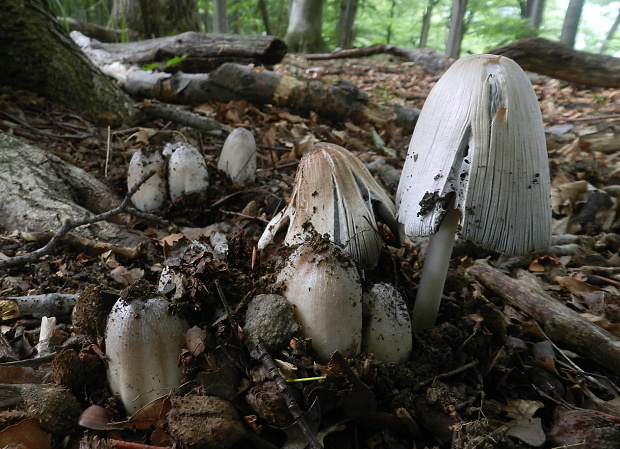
563 326
560 61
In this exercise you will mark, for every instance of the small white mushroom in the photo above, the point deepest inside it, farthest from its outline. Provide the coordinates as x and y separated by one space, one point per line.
324 285
143 343
477 165
238 156
387 326
335 195
152 194
187 170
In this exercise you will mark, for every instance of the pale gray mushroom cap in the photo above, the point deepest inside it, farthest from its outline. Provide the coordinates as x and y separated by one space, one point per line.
479 146
335 195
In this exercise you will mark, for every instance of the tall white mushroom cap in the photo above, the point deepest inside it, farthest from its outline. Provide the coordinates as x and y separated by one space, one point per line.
238 156
479 147
335 194
187 170
152 194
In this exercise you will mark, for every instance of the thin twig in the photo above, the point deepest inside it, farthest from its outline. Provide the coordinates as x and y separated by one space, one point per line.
69 225
458 370
265 358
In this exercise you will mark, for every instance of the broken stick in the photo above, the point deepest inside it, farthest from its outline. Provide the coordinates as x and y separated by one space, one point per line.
564 326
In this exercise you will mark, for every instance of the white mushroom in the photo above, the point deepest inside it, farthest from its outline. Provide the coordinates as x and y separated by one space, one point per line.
335 195
152 194
187 170
324 285
387 326
477 164
238 156
143 343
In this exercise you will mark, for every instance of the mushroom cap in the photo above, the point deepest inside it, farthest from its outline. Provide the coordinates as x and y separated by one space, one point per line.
335 195
479 147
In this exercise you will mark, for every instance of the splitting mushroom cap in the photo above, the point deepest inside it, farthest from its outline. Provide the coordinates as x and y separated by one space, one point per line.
479 147
335 195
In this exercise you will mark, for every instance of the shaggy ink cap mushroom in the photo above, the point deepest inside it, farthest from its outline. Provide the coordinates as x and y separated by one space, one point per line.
335 195
477 165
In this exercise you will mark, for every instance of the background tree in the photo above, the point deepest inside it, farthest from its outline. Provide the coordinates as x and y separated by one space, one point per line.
220 17
571 22
155 18
305 25
38 55
457 28
426 22
346 19
533 11
610 34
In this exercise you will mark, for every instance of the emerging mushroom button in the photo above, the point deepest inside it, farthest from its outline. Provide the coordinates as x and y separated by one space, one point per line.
477 164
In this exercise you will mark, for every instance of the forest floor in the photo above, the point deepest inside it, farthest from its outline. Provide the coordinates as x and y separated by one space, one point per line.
486 376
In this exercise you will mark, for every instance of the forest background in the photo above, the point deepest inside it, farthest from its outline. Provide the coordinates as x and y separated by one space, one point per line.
588 25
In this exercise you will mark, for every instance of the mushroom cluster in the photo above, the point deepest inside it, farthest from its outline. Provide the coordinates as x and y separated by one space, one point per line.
333 216
180 169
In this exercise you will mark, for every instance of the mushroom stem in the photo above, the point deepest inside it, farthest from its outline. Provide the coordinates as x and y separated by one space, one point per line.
434 272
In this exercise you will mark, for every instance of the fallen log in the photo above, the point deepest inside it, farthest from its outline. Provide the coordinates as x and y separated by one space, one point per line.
562 62
564 326
433 61
235 81
198 52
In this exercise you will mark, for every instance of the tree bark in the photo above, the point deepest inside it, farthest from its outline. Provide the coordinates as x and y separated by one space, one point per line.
155 18
38 55
563 325
203 51
234 81
559 61
571 22
40 192
305 24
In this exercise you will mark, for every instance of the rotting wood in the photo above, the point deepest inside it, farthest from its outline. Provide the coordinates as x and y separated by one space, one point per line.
186 118
434 62
559 61
235 81
59 305
200 52
563 326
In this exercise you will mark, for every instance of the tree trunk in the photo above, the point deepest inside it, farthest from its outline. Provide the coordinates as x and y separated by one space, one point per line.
305 25
455 35
571 22
155 18
426 22
610 35
559 61
348 10
264 14
203 52
536 14
220 17
38 55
